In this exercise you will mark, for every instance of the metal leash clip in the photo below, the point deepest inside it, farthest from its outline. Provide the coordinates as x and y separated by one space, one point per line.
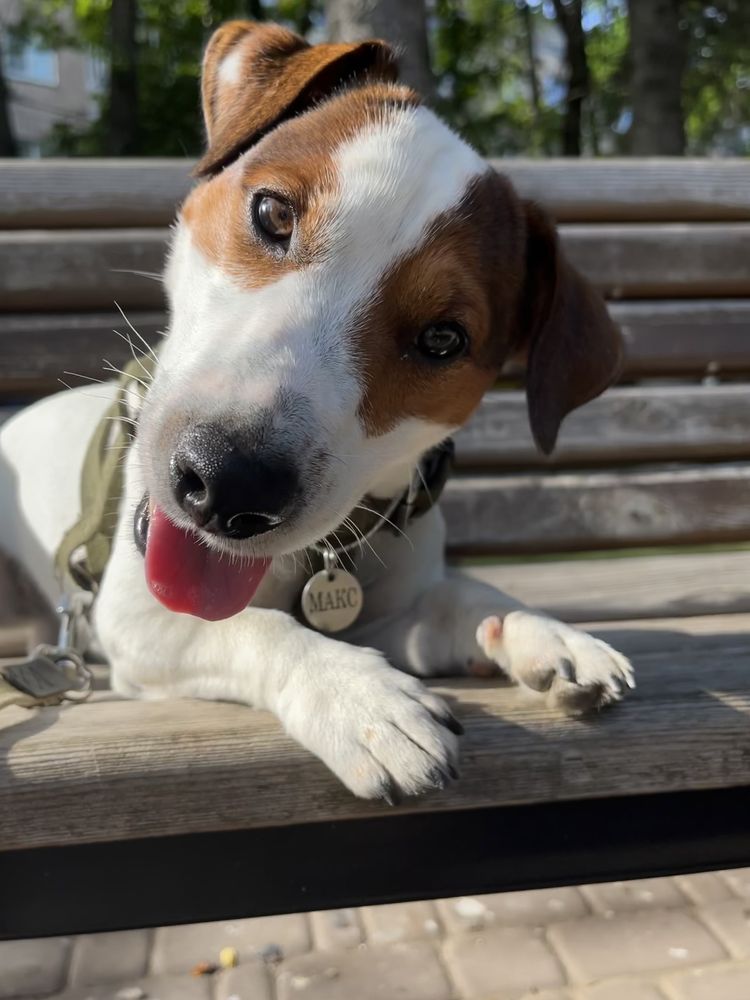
55 673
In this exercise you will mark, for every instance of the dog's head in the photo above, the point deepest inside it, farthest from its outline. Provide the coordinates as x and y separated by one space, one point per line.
346 281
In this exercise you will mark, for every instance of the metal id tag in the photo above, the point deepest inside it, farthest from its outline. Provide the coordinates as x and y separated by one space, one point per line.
332 599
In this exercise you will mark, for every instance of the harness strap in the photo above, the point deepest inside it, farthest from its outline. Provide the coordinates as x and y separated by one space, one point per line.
84 551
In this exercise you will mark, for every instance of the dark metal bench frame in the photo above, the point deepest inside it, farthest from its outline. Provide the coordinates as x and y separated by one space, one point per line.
212 876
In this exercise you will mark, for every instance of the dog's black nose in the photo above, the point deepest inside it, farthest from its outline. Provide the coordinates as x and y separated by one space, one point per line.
227 486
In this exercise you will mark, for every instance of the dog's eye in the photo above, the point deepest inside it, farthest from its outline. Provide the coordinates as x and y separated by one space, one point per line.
443 341
274 217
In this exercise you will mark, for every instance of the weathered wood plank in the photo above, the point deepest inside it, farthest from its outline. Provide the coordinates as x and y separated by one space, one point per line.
684 337
74 193
643 586
670 636
625 190
36 350
117 770
661 338
556 512
87 193
662 260
87 269
627 424
81 269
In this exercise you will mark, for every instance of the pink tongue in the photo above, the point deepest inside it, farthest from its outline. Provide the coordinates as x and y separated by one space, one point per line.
185 575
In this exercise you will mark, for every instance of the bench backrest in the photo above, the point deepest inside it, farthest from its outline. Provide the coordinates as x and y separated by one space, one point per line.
659 460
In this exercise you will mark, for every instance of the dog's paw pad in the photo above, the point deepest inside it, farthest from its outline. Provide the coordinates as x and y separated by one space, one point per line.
579 672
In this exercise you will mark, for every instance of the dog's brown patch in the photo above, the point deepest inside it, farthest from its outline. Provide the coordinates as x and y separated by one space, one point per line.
296 161
469 270
277 75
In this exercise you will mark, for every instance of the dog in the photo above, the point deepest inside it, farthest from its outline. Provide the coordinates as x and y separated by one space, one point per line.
345 281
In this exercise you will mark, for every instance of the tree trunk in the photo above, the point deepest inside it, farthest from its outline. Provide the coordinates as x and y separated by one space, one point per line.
256 10
569 17
658 58
528 31
8 146
123 80
536 101
401 22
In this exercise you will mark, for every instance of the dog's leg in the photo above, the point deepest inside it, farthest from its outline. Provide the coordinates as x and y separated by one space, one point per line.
380 731
463 625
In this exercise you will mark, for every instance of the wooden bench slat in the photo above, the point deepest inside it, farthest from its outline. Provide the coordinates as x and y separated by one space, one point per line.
684 337
668 636
81 269
638 586
627 424
36 350
84 193
562 511
89 268
666 189
117 770
70 193
661 338
652 260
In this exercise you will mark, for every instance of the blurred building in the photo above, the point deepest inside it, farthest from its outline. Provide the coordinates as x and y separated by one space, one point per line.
46 88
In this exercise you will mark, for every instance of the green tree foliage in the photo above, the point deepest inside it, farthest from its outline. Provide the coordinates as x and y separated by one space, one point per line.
499 66
482 54
481 60
170 35
717 78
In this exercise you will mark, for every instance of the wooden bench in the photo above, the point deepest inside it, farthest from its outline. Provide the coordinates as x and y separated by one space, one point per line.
638 527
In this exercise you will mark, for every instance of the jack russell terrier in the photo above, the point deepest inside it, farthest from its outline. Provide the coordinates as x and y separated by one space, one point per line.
345 282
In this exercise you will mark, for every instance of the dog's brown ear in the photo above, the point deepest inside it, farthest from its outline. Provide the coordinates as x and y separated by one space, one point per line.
256 75
574 350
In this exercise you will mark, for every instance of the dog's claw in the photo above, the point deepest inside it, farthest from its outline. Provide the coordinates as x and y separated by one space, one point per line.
451 722
390 794
438 778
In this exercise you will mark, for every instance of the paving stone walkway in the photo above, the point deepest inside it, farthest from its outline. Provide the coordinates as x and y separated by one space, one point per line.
682 938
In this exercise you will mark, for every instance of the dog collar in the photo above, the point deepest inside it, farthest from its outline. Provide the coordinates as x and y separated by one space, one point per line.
333 597
373 514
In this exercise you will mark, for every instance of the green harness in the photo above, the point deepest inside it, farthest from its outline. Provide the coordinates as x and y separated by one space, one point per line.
84 552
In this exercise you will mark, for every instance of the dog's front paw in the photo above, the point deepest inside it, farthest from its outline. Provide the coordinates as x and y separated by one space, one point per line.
380 731
579 672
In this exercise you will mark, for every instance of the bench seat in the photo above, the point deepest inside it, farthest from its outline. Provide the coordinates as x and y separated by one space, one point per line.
176 794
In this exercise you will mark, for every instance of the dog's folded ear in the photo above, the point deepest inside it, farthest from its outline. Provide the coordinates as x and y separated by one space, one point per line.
574 350
257 75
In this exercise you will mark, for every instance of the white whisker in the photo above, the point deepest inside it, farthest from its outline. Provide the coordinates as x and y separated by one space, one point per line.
118 371
138 335
141 274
